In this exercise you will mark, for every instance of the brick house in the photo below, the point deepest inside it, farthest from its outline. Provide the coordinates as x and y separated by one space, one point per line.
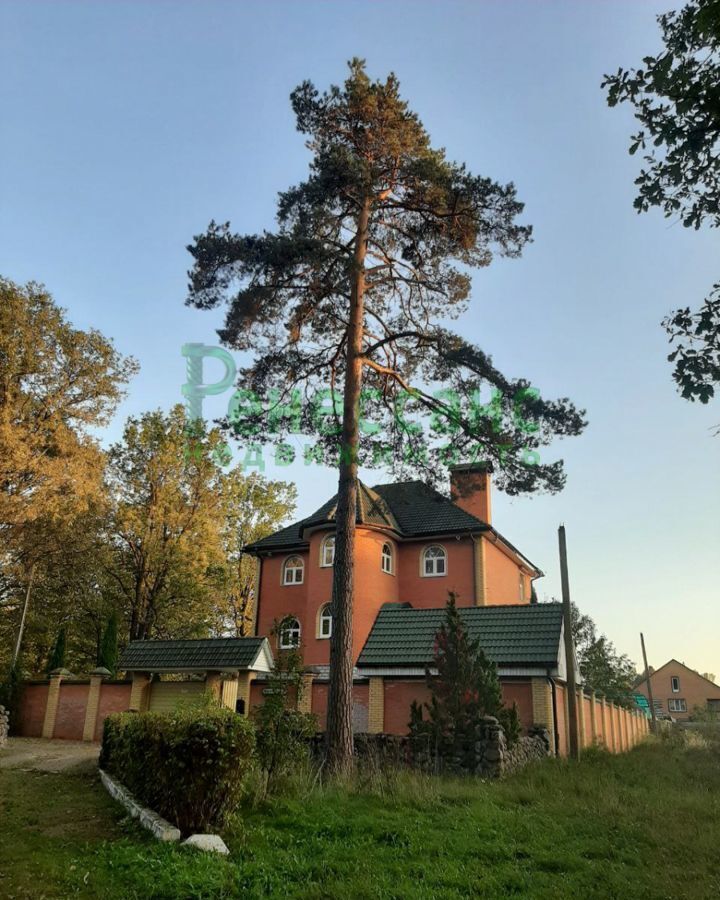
677 690
414 545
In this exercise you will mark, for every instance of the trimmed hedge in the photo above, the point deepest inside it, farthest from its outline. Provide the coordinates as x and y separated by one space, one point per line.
189 766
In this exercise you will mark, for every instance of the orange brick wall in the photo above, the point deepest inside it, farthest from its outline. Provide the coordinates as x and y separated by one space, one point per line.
32 710
560 726
502 578
70 716
519 692
113 698
429 593
398 697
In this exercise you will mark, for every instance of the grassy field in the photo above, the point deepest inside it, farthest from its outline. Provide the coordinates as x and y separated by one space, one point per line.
644 825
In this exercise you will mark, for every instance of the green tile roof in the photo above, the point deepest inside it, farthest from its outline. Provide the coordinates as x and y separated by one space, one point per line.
209 653
511 636
409 508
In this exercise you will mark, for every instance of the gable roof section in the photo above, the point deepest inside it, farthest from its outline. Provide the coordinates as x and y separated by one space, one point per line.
682 665
197 655
511 636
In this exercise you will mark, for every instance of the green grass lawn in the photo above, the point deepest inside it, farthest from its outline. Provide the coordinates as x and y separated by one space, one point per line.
646 824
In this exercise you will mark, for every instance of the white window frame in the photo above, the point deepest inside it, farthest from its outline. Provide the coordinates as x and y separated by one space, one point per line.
387 560
327 541
324 619
287 568
675 684
424 556
677 705
288 628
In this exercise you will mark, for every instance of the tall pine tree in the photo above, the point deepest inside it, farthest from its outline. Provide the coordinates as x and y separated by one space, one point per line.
350 294
56 659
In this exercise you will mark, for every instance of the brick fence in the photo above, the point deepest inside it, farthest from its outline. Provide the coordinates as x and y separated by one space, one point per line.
69 708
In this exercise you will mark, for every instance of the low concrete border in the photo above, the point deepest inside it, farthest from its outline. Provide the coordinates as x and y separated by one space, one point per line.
154 823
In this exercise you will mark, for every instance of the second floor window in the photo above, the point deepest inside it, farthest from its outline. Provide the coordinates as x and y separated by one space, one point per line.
434 561
293 570
325 622
675 684
387 559
289 634
327 551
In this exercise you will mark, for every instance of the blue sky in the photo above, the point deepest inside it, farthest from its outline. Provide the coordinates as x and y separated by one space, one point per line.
128 126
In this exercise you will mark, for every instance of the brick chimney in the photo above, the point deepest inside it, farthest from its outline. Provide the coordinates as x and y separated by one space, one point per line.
470 489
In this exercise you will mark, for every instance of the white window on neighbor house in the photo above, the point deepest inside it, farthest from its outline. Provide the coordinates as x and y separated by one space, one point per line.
386 560
325 621
677 705
289 634
675 684
327 551
293 570
434 561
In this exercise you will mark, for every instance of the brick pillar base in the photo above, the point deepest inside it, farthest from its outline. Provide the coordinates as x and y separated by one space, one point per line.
543 709
53 699
93 701
376 705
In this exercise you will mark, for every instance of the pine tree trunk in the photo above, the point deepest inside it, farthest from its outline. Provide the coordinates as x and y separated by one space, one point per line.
340 694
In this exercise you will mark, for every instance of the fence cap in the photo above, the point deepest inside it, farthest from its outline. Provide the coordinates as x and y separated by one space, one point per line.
102 671
64 673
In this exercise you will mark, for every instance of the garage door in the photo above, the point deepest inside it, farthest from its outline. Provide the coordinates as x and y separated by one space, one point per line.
165 696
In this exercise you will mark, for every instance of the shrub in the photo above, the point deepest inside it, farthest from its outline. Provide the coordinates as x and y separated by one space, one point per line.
189 766
465 689
283 732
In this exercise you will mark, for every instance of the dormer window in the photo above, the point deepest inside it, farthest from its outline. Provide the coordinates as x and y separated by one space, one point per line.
386 560
434 561
327 552
289 634
293 570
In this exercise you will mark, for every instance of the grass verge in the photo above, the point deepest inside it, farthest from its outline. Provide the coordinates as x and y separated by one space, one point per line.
642 825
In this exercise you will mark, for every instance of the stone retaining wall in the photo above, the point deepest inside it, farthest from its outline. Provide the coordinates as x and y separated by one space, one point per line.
490 757
4 725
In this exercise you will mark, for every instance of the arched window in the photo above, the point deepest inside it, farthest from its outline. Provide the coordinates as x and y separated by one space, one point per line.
434 561
327 551
289 634
325 621
293 570
386 560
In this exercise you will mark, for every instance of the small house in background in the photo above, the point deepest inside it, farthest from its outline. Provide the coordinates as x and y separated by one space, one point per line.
677 690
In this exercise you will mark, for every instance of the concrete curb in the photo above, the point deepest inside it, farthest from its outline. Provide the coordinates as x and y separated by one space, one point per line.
154 823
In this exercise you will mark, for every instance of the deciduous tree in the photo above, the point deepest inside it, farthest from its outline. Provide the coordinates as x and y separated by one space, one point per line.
676 97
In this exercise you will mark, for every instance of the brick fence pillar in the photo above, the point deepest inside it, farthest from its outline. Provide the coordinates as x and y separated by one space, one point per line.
582 725
140 692
376 705
305 700
613 743
245 679
593 718
542 708
53 698
93 701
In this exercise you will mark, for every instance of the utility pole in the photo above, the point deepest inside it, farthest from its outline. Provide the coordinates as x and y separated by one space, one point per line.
16 654
571 686
649 686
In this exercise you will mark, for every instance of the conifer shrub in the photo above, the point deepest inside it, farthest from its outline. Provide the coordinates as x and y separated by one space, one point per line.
189 766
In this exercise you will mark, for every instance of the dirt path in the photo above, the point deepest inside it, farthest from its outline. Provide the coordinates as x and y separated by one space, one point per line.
35 754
